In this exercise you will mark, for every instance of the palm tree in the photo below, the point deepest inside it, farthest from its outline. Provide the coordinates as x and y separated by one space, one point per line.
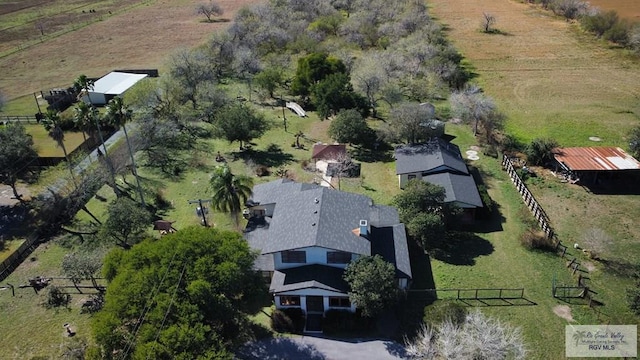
83 85
230 191
119 115
84 117
51 123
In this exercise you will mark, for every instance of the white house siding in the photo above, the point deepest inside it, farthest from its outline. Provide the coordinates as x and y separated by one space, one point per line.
313 292
315 255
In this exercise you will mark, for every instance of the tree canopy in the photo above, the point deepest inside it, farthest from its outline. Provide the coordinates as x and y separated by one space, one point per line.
312 69
409 123
350 127
372 284
16 153
184 296
334 93
126 223
237 122
422 209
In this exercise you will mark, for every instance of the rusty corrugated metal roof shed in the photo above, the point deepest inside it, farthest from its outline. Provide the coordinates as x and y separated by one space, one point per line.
595 159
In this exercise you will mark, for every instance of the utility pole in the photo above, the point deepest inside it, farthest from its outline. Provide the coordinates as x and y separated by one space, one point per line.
203 212
284 116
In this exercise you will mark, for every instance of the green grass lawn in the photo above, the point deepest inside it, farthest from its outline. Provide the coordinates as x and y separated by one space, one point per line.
28 328
8 247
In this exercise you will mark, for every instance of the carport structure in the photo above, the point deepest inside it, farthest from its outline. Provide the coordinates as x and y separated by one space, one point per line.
111 85
588 162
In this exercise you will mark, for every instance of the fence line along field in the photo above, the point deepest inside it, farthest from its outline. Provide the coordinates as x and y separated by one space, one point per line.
140 37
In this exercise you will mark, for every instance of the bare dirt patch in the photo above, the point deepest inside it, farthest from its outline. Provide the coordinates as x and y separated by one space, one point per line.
140 38
563 311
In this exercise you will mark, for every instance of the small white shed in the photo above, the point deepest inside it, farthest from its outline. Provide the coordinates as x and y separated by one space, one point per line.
111 85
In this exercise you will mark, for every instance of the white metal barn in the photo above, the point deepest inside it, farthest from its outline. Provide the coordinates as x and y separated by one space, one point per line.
111 85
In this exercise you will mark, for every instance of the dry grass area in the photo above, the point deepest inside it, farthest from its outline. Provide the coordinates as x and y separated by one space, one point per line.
550 79
629 9
140 38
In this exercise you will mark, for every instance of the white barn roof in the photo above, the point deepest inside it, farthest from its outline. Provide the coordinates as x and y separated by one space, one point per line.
116 83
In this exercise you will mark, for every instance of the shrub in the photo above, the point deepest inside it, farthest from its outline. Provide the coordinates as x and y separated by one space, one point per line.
536 240
619 33
540 151
280 322
56 298
510 143
600 22
443 310
288 320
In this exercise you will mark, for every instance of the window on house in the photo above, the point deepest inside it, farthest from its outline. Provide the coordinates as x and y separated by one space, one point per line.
411 177
290 300
339 302
299 257
338 257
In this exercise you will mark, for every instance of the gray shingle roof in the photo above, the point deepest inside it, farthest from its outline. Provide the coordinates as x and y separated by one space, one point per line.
391 243
436 155
309 215
459 188
309 276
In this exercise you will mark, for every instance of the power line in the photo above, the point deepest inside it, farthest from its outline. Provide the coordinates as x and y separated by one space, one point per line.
146 309
166 314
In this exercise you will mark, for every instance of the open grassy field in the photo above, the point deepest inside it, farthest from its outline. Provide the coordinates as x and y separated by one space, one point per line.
140 37
550 79
47 147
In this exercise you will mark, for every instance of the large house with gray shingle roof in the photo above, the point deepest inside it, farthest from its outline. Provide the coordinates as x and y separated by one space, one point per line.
307 234
439 162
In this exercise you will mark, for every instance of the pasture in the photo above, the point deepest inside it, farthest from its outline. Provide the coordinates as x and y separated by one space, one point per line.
548 78
138 34
628 9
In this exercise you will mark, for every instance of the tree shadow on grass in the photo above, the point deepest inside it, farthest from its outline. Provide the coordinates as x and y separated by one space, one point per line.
272 156
278 348
461 248
621 268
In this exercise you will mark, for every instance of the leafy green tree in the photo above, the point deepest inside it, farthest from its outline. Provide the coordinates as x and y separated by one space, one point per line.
350 127
230 192
372 284
269 79
126 223
313 68
51 123
237 122
118 114
335 93
634 142
422 209
16 153
540 151
184 296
